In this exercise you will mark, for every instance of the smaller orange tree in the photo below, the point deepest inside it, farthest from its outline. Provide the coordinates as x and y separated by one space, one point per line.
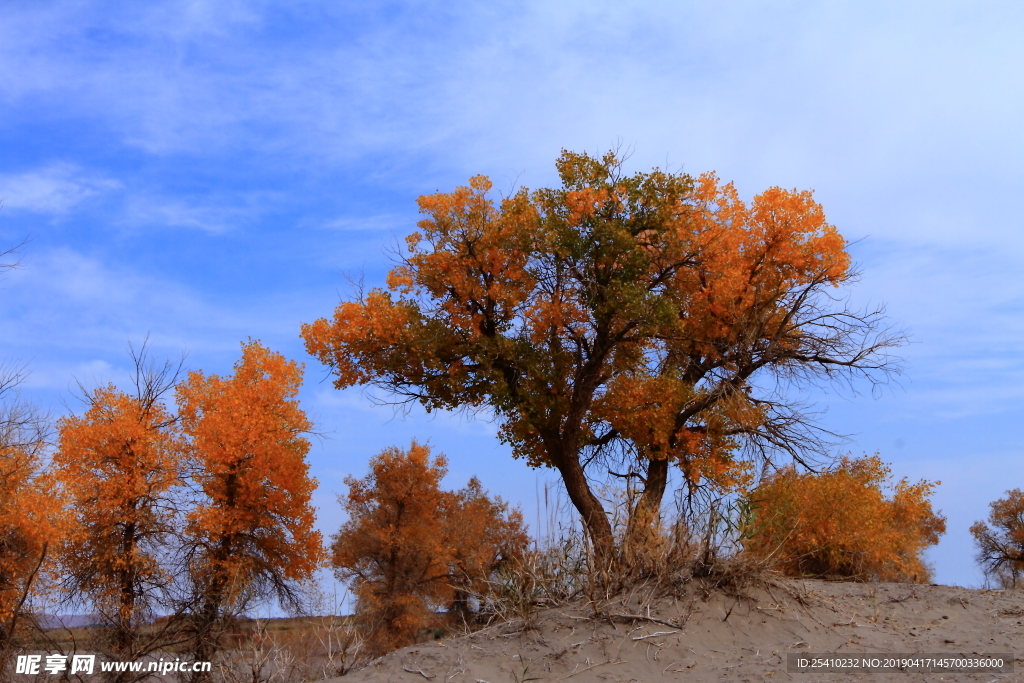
409 547
840 523
30 515
485 536
1001 546
118 466
251 534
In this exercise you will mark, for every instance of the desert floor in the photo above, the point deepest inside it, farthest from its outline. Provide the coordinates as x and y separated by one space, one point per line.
707 633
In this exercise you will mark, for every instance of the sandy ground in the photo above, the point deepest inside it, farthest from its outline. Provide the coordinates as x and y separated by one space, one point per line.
716 636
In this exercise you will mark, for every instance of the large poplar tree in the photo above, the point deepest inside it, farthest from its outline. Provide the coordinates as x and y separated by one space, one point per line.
655 312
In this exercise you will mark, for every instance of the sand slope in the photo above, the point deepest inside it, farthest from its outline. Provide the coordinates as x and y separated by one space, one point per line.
712 635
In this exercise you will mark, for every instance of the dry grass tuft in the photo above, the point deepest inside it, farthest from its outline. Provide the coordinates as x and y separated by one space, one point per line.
703 549
292 651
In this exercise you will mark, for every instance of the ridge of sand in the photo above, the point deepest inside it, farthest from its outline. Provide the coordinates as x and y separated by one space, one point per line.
713 635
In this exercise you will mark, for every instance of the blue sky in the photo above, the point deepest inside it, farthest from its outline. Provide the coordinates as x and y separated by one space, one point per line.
205 172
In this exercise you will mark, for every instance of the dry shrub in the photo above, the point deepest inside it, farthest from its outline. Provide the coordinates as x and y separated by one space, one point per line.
553 573
310 649
702 541
1001 546
840 524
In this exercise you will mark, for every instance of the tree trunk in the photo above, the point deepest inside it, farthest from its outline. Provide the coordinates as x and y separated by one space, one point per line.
460 607
595 521
124 643
204 646
207 633
647 513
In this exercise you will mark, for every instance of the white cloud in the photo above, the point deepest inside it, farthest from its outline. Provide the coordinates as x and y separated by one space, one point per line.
785 94
382 222
68 307
211 214
55 189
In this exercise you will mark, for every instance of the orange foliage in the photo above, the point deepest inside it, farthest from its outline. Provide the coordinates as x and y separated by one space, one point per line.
117 465
409 547
1001 546
30 524
839 523
484 536
252 531
636 311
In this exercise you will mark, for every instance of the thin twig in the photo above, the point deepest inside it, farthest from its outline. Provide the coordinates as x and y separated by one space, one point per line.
417 671
641 617
659 633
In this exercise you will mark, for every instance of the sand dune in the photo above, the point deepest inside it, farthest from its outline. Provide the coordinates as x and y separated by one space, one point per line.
708 634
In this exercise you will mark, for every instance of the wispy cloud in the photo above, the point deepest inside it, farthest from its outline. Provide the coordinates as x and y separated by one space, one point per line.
773 94
382 222
55 189
214 214
104 304
65 311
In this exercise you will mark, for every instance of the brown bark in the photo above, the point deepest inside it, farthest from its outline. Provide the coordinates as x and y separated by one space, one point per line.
595 521
124 643
206 636
206 642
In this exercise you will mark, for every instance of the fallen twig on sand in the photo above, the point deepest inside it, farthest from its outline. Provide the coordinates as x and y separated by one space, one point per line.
641 617
417 671
659 633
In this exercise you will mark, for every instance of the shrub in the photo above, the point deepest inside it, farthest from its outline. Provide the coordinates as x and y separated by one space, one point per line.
409 547
1001 547
839 523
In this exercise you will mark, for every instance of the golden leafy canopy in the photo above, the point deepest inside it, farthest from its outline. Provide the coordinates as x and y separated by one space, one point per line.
840 523
635 306
1000 541
30 521
245 434
116 465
